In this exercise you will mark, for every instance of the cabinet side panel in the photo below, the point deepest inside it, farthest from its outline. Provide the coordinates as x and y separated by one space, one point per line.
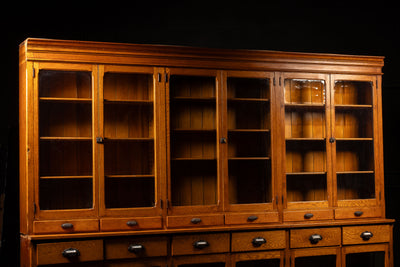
22 138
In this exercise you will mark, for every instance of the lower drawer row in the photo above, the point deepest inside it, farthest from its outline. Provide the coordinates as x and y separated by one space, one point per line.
207 243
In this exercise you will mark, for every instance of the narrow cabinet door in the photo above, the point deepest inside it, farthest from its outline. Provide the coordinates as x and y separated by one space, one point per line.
194 138
305 113
248 111
129 154
63 139
357 161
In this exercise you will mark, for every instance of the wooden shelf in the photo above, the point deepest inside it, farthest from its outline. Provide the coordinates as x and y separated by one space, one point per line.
252 100
355 172
347 106
130 176
194 99
134 139
66 177
128 102
58 138
193 159
305 139
249 158
65 100
188 130
308 105
305 173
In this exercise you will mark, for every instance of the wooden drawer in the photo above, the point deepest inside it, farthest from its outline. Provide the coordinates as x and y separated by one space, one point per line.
307 215
78 251
194 220
357 213
304 238
366 234
136 247
252 218
130 224
200 244
253 241
65 226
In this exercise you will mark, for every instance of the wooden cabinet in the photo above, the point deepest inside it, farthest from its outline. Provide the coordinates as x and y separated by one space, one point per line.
140 155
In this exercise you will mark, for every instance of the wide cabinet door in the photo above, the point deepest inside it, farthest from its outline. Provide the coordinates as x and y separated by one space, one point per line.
357 163
65 178
129 154
305 130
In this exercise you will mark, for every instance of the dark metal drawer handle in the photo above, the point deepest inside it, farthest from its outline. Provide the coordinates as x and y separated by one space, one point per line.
136 248
258 241
132 223
358 213
252 218
201 244
71 253
366 235
67 226
308 215
314 239
195 220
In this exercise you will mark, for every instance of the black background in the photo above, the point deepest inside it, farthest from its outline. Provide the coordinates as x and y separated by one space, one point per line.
362 28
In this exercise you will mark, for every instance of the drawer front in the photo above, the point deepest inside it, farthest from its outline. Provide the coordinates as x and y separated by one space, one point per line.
130 224
366 234
307 215
194 221
200 244
315 237
136 247
261 240
357 213
69 252
65 226
252 218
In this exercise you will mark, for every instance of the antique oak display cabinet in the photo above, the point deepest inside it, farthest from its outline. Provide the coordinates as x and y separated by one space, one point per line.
146 155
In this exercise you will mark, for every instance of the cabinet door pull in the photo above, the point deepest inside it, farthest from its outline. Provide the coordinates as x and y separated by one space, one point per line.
67 226
136 248
195 220
308 215
366 235
71 253
314 239
252 218
201 244
131 223
358 213
258 241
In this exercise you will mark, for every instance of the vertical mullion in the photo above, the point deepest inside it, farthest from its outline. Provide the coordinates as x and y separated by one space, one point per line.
99 106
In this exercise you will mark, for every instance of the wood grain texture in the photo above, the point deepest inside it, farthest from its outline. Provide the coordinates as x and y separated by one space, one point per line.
301 238
244 241
352 235
184 244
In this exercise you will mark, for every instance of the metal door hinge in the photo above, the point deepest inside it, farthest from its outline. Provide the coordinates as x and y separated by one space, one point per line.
276 200
167 203
161 203
34 208
274 81
33 72
280 81
282 200
99 140
159 77
166 77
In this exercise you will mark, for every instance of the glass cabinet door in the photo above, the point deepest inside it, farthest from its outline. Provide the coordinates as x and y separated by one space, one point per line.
249 138
366 256
193 131
65 133
306 131
258 259
355 140
127 136
316 257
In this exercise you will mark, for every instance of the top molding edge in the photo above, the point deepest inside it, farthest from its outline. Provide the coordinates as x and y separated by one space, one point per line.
34 47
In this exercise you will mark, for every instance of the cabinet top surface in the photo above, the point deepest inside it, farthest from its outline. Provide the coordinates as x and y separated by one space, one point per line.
183 56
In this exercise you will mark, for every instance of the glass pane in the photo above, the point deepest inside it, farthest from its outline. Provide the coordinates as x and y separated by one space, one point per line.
193 140
249 140
354 135
129 140
59 194
259 263
316 261
368 259
65 140
305 133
